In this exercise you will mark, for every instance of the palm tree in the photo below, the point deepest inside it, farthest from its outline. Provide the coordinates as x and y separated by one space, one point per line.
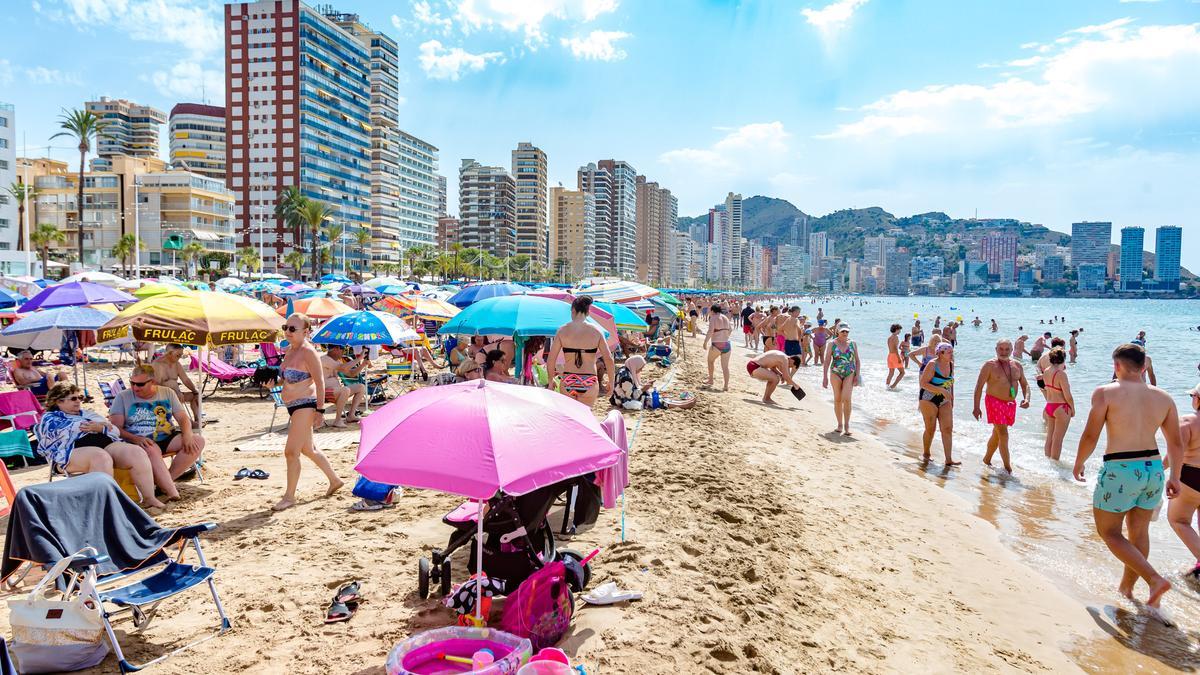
84 126
560 268
362 238
326 258
42 238
295 260
334 234
287 209
189 254
250 259
313 215
125 248
21 192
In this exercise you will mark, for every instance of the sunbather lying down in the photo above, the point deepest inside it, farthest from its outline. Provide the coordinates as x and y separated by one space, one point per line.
630 393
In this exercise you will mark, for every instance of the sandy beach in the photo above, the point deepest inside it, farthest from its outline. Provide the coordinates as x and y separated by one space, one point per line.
761 542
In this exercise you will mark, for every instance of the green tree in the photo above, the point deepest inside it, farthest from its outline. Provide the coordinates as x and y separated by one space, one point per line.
250 259
314 214
520 266
124 249
362 239
334 234
42 238
287 209
21 192
295 260
190 254
84 126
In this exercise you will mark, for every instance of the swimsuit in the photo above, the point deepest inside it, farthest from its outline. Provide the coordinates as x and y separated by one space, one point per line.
580 383
308 402
938 380
917 339
293 375
1190 476
579 354
780 341
842 362
1129 480
791 347
751 367
999 411
1051 407
723 347
894 362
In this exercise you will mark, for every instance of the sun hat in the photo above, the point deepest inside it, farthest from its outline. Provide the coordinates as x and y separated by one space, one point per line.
943 347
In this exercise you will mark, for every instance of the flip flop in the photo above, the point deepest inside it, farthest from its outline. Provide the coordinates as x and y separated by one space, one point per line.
258 474
242 473
364 505
340 611
798 393
608 594
348 594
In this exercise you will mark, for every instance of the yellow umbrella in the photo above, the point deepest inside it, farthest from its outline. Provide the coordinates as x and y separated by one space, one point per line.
152 289
199 318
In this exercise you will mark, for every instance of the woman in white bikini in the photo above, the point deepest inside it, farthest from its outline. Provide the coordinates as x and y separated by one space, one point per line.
579 343
716 341
304 395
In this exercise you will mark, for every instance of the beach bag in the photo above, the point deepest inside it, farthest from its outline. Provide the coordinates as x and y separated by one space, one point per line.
369 489
56 635
541 608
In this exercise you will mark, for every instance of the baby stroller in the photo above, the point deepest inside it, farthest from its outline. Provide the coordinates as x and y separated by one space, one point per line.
518 541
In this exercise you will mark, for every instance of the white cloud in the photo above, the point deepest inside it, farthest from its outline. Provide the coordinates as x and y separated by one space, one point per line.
832 18
189 80
741 148
196 25
599 45
6 73
44 75
1114 73
528 17
424 17
1100 28
442 63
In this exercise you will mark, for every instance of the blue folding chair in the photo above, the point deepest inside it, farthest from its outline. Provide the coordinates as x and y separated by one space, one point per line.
277 398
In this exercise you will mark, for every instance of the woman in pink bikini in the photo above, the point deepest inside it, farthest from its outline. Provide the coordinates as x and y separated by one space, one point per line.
716 341
580 343
1060 405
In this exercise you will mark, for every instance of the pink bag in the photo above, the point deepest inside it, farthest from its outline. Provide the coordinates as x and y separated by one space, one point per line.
541 608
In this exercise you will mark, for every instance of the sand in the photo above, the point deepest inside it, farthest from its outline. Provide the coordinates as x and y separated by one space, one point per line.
762 543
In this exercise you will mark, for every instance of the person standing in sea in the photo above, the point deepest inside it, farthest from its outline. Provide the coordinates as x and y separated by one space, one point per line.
1132 481
895 362
918 335
1074 350
842 372
935 401
1001 376
1183 508
1060 403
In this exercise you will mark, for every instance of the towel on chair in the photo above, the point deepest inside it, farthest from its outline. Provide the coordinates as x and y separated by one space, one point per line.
612 481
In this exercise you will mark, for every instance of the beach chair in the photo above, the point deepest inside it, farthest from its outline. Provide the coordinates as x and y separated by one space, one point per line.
217 373
126 553
270 354
19 410
111 389
277 399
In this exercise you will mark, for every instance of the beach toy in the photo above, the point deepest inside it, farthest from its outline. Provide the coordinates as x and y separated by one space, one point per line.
916 316
552 654
546 668
456 649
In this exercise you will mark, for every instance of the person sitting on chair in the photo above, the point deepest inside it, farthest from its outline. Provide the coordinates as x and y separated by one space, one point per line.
26 376
335 363
170 373
143 414
80 441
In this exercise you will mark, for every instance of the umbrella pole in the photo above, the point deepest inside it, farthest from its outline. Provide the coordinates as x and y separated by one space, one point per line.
200 395
479 564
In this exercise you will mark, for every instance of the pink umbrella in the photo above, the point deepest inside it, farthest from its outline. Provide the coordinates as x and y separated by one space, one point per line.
475 438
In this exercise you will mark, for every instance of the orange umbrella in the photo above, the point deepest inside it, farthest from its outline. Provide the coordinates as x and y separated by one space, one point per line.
318 308
430 309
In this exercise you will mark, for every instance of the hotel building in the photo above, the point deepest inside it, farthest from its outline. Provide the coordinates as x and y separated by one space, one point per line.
132 129
1090 243
1133 240
486 208
657 214
197 139
572 233
1168 243
529 169
9 209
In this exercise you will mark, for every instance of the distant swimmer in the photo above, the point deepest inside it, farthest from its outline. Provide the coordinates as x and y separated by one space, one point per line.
1001 376
977 322
995 326
1019 348
773 367
1131 483
1183 508
1074 350
895 361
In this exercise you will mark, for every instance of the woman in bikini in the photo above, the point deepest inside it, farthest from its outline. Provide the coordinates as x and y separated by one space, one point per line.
579 343
304 395
935 400
1060 405
716 341
842 370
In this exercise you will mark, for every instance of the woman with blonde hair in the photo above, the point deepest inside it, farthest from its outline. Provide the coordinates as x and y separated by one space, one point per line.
81 441
304 395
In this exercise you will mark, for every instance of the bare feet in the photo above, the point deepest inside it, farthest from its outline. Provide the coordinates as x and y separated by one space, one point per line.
925 458
950 462
353 420
1126 591
283 505
1157 588
769 401
838 430
338 423
334 487
846 431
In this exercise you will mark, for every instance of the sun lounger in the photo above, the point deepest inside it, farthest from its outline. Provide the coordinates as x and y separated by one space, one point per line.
217 372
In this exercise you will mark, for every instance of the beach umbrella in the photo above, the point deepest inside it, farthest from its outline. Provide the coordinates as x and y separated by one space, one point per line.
317 308
262 287
384 281
73 294
57 322
102 278
623 317
616 291
198 286
361 289
477 438
428 309
652 305
671 299
392 289
515 315
10 298
335 277
229 283
153 289
365 327
25 286
489 289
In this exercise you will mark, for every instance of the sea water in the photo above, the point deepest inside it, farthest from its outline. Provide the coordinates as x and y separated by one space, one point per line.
1040 511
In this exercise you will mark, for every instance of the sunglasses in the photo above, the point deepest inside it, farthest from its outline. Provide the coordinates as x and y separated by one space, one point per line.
73 398
292 329
139 384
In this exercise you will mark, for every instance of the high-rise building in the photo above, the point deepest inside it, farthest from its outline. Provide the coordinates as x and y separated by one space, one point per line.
800 231
598 180
680 260
752 264
896 273
1132 242
1043 251
442 205
298 107
975 273
875 249
926 267
791 268
9 208
572 232
418 191
657 215
1168 243
131 129
1089 243
819 247
733 210
1092 276
999 251
529 173
1052 269
622 223
486 208
447 232
197 139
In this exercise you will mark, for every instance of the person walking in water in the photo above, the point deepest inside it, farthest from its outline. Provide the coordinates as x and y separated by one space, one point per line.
716 341
935 401
1183 508
1060 404
842 369
1132 480
895 362
1001 376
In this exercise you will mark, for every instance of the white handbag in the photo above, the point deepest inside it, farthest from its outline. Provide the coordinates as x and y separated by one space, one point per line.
56 635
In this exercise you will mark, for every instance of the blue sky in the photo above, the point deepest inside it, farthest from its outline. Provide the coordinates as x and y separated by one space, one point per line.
1049 112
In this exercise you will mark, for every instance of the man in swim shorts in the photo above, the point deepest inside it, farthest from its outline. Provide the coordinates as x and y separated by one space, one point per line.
1039 347
773 367
1001 375
1132 480
790 328
895 362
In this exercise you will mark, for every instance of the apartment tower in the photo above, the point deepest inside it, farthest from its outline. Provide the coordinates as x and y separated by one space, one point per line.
529 174
572 233
733 207
132 129
1133 241
1090 243
486 208
657 214
622 224
598 181
197 139
9 208
1168 243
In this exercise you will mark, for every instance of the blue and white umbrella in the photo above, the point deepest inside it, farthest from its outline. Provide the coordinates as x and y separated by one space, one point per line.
60 318
476 292
10 298
335 277
365 327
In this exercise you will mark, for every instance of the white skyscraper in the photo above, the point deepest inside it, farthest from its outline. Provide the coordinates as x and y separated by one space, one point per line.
8 168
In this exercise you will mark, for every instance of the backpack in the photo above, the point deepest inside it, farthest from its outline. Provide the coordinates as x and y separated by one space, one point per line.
541 608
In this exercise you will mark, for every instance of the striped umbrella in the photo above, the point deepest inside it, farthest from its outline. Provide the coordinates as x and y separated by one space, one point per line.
428 309
616 291
317 308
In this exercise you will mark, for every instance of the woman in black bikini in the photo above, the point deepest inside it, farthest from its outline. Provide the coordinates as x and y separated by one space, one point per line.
580 343
304 394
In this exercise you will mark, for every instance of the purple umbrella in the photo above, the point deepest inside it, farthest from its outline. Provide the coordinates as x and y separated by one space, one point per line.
75 294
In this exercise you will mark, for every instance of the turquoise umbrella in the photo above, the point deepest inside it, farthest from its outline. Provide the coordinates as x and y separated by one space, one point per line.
625 318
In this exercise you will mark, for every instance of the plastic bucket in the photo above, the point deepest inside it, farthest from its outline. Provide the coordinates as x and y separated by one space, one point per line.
546 668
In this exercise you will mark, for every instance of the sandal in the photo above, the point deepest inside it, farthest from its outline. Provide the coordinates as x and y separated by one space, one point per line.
340 611
242 473
258 474
369 505
348 594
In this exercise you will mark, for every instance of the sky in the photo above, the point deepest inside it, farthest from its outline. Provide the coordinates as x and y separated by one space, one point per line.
1049 112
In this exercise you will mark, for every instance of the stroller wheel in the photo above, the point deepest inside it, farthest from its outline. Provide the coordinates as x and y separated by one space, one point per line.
444 577
576 557
423 578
